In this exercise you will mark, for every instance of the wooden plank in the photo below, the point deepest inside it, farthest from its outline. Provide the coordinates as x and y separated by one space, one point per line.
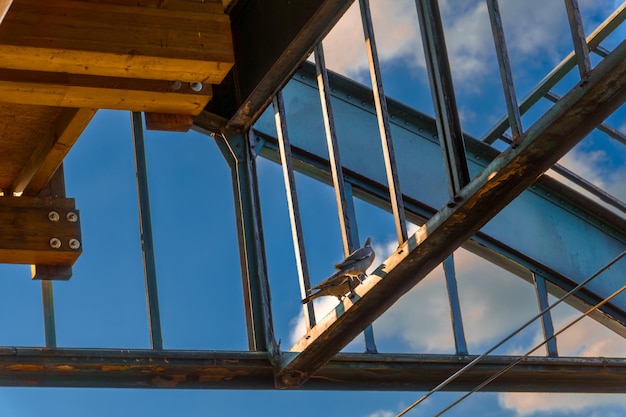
562 127
73 90
4 8
51 150
168 122
55 188
113 40
26 231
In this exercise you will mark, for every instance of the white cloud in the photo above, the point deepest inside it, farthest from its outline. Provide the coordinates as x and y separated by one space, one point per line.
533 28
535 403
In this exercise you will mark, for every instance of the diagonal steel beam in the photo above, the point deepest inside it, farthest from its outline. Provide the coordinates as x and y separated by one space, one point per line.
271 38
562 127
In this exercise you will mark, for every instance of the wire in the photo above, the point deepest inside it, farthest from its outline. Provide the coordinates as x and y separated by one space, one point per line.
524 356
507 338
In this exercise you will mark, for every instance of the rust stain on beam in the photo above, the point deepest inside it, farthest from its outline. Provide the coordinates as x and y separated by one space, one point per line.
568 122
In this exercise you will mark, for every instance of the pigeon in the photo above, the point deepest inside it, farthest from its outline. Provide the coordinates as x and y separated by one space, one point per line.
347 275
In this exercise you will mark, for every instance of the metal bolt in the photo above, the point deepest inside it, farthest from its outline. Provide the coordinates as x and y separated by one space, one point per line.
195 86
74 244
71 217
53 216
55 243
176 85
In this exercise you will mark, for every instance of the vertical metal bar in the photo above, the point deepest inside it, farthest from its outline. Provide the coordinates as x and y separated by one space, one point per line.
145 225
346 226
444 101
380 102
343 190
47 297
455 306
581 48
368 333
515 122
561 70
546 318
294 208
238 150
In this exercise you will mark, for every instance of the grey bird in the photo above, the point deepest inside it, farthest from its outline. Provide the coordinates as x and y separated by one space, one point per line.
347 275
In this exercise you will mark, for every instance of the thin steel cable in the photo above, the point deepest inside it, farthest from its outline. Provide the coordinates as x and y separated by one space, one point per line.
524 356
507 338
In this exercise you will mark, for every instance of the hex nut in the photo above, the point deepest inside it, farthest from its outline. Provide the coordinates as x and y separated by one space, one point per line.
74 244
71 217
55 243
53 216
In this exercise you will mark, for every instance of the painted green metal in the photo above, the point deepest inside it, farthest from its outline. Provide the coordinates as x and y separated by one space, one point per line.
145 225
568 122
238 153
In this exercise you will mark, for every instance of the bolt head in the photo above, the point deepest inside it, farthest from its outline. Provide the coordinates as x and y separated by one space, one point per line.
55 243
74 244
72 217
53 216
195 86
176 85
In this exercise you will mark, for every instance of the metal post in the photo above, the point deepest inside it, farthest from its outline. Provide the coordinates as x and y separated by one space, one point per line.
47 297
145 225
380 102
239 154
444 101
515 122
546 318
578 37
294 207
455 306
343 190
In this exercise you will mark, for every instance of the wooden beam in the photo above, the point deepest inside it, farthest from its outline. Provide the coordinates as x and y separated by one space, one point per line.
72 90
168 122
4 8
83 37
27 230
54 189
564 125
51 151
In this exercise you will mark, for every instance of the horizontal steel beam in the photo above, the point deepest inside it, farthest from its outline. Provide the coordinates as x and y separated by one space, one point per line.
564 125
124 368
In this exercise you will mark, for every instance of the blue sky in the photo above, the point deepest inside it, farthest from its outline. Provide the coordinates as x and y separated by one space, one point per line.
103 304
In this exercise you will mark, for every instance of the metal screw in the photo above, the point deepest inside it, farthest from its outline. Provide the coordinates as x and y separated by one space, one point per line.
71 217
176 85
55 243
74 244
195 86
53 216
